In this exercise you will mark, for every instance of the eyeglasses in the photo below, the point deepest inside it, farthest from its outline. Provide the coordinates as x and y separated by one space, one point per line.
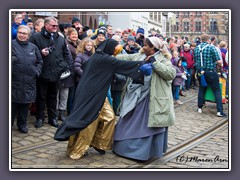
54 26
23 33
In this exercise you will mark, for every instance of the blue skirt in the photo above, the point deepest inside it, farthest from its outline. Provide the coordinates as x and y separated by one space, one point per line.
133 139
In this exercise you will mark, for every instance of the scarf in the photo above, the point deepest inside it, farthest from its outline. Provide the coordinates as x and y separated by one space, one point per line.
22 43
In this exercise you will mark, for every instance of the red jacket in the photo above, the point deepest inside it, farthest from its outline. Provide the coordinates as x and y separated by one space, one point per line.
189 58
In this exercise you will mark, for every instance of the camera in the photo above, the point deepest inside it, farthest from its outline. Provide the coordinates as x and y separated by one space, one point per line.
141 36
50 49
131 47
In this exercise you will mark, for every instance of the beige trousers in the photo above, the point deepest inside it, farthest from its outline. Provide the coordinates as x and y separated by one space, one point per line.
98 134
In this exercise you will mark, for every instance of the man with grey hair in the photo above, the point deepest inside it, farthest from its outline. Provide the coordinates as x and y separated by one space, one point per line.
55 55
118 31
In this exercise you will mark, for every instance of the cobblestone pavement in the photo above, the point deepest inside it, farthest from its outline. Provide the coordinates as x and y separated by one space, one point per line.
37 149
212 154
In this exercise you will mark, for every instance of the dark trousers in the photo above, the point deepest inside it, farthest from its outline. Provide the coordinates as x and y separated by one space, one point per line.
20 111
46 94
213 82
71 94
189 78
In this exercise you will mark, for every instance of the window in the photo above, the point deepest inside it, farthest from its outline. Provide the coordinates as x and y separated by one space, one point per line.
177 14
186 26
176 27
186 14
151 15
155 16
198 27
213 25
198 13
55 14
159 17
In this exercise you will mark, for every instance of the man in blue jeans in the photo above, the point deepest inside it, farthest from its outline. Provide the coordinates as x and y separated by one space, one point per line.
210 58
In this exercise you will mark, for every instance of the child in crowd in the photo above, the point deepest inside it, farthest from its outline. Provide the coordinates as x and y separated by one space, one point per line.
84 50
179 79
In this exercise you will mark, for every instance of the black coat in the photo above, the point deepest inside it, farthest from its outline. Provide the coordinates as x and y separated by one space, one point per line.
92 91
26 67
57 61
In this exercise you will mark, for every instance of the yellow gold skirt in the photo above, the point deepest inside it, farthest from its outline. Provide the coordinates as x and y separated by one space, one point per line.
98 134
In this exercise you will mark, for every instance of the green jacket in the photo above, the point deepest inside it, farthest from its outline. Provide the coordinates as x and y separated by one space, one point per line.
161 107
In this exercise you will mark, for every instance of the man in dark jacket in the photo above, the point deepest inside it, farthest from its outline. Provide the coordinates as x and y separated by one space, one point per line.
54 51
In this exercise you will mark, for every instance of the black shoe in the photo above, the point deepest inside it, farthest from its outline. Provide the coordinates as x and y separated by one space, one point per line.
99 150
53 122
38 123
61 115
23 130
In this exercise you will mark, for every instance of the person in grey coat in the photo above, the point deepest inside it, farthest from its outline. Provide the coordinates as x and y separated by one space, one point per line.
26 67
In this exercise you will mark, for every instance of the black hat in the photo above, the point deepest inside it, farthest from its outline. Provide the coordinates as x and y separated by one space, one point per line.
61 27
102 31
67 25
30 20
108 46
75 19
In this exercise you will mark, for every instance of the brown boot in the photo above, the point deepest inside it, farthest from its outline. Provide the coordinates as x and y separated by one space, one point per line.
181 93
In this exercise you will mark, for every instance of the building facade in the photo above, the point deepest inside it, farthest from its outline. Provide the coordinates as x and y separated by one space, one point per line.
189 24
193 24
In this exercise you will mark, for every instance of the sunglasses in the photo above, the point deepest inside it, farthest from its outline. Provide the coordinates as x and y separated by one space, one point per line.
54 26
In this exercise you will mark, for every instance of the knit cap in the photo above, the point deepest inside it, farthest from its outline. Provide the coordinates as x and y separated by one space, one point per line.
131 38
75 19
140 30
102 31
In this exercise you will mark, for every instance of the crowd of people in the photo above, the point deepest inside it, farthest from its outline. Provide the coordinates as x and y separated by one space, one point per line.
85 78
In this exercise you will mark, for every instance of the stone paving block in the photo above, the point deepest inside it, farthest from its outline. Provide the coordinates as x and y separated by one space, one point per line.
25 162
24 142
43 155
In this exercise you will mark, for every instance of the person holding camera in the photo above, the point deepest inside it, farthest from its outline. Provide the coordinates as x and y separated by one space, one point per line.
131 47
55 56
140 37
79 27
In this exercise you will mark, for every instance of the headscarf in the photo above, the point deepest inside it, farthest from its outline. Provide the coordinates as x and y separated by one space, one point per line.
157 43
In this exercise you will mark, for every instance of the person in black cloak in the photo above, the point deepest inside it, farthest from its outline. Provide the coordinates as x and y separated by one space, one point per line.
92 120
